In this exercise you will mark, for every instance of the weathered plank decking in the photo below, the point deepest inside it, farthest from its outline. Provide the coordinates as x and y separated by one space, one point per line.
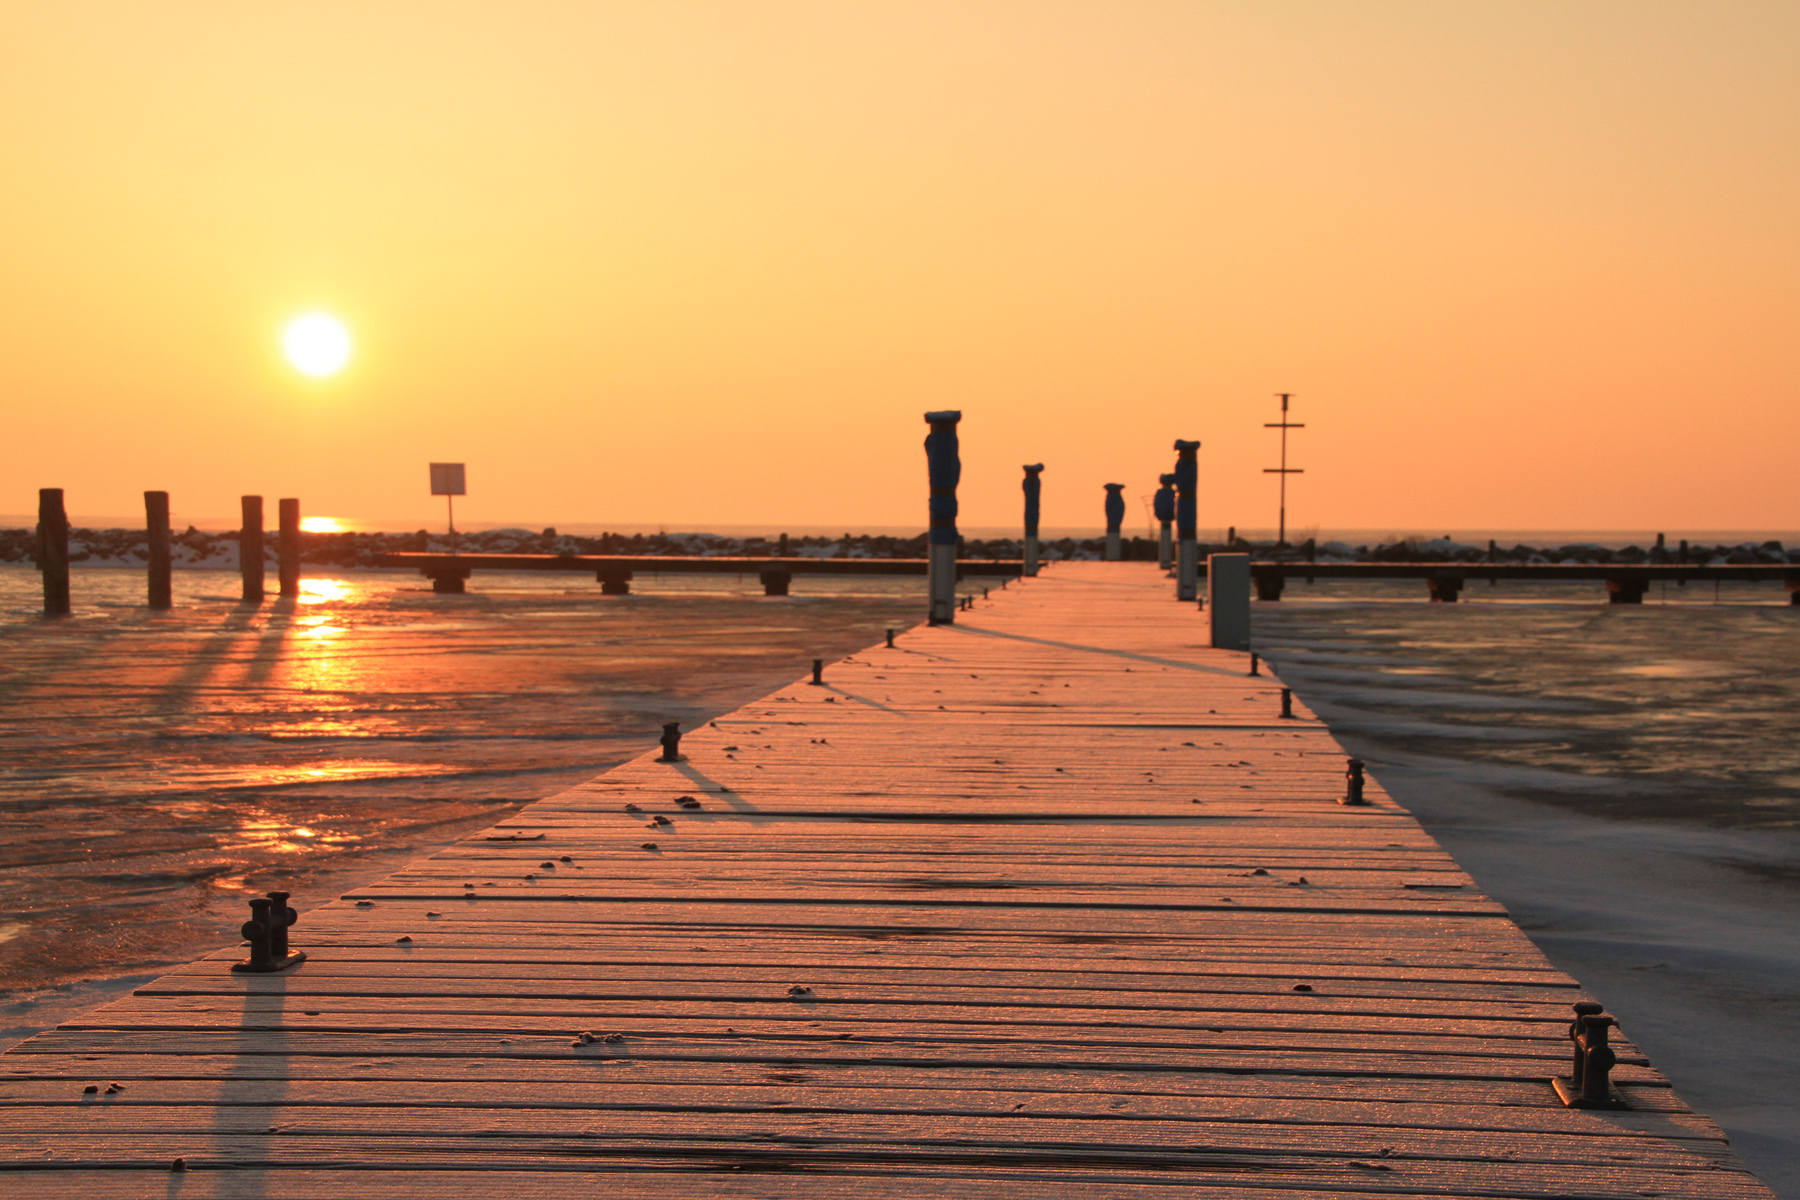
1024 905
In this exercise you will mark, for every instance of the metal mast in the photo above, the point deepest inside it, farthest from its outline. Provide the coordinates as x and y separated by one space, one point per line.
1283 470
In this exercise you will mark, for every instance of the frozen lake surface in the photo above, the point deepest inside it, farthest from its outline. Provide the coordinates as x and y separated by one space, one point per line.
156 769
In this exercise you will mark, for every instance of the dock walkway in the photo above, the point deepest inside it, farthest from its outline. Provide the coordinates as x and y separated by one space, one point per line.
1048 902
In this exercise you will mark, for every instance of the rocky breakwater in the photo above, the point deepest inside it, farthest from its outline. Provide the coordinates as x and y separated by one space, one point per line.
1449 550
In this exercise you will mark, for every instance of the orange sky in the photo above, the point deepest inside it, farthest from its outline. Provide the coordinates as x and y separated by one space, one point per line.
1523 265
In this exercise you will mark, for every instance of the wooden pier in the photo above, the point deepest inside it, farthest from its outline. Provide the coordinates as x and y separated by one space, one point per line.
614 572
1047 902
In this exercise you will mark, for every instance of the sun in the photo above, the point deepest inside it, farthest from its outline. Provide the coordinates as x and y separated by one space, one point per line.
317 344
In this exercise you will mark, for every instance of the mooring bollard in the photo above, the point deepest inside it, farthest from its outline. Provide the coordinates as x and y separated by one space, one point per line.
1187 550
1353 782
671 742
944 465
1033 489
250 549
287 547
1255 664
1287 703
1164 507
281 917
1115 518
890 644
267 933
776 583
259 933
818 678
160 556
53 551
1589 1084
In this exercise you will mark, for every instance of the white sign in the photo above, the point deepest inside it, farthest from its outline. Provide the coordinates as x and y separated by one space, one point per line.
447 480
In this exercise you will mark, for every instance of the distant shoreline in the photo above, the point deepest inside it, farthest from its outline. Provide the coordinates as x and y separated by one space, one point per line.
1136 525
127 547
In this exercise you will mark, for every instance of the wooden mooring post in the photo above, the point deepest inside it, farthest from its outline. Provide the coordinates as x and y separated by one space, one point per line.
160 554
1034 488
53 551
1187 550
945 467
1115 518
287 547
250 549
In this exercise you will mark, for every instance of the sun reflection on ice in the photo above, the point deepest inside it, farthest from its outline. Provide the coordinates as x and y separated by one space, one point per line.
262 830
323 591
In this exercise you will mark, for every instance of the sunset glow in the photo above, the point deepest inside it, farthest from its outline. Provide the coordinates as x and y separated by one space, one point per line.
322 525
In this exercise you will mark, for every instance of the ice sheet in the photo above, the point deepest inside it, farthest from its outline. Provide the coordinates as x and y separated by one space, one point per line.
1627 782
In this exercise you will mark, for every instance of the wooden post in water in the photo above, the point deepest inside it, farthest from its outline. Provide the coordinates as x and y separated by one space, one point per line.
1033 489
1115 518
1187 548
1164 508
287 547
53 551
250 550
161 560
945 467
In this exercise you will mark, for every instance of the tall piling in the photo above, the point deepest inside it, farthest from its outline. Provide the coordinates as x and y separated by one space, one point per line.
1164 508
1187 549
161 554
287 547
53 551
1033 489
250 549
945 467
1115 518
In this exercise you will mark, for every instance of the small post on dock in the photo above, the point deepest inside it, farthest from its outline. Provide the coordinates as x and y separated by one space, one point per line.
161 558
1033 488
1228 598
250 550
53 551
1115 518
1187 550
1164 508
288 547
945 467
